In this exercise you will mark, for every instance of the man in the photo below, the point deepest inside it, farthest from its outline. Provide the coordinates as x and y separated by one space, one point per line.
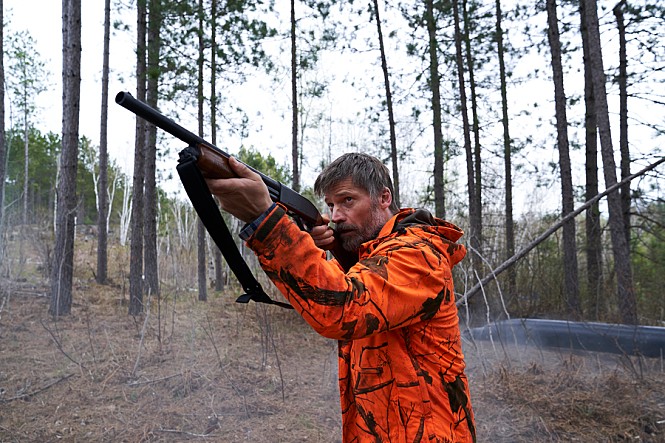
401 367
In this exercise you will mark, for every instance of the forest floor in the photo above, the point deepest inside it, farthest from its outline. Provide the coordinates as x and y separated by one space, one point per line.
224 372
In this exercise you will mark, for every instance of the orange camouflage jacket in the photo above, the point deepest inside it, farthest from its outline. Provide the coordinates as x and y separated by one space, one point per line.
401 366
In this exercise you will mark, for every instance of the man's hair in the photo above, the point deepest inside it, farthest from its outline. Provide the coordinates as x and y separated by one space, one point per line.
365 171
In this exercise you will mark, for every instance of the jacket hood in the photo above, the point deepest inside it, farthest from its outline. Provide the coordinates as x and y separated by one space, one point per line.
421 219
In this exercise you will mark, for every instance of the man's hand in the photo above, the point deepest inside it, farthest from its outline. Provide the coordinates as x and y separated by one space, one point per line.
245 196
323 235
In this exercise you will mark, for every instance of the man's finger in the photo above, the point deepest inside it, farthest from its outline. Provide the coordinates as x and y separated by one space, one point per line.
241 169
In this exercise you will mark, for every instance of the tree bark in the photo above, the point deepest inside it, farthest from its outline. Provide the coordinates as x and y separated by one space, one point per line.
389 104
507 152
294 102
593 229
152 94
63 254
439 183
136 242
219 280
571 286
624 148
103 210
622 266
200 229
3 144
474 127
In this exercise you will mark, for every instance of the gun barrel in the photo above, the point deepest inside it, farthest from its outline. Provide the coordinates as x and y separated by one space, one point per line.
295 203
158 119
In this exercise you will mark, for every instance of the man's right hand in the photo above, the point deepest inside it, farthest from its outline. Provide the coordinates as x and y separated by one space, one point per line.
323 235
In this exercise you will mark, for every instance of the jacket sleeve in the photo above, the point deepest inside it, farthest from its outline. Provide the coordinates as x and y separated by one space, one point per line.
403 281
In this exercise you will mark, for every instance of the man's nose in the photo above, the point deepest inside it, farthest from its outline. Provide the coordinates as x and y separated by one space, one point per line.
336 216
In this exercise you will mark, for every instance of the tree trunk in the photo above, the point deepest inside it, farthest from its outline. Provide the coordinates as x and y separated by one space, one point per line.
219 280
475 127
507 152
102 209
389 104
26 163
474 222
593 230
623 117
136 242
622 266
63 254
571 286
294 102
3 145
200 229
152 93
439 195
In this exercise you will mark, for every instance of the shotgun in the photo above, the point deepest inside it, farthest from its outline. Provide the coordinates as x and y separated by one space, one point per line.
214 162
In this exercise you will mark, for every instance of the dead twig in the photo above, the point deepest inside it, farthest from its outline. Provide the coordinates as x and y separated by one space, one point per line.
33 393
59 346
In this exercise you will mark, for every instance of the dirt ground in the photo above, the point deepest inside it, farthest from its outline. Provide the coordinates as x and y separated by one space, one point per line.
224 372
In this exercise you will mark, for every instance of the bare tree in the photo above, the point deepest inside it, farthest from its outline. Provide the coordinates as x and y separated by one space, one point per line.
136 241
200 229
3 145
389 103
439 196
507 150
593 246
571 286
620 248
102 209
474 213
294 102
624 148
63 254
477 169
150 199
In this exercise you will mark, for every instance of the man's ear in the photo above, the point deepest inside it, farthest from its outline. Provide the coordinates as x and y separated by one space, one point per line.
386 198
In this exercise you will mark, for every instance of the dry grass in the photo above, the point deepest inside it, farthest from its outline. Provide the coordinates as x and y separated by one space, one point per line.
223 372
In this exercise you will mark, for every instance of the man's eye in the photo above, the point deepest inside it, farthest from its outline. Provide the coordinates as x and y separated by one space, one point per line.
348 199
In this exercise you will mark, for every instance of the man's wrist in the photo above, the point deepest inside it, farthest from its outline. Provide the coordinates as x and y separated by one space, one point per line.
250 228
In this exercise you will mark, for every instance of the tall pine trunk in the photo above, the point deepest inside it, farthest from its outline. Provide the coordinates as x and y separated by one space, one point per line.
593 230
625 290
571 286
507 152
3 145
200 229
474 213
474 125
219 275
294 102
152 93
63 253
103 210
623 117
389 104
439 195
136 241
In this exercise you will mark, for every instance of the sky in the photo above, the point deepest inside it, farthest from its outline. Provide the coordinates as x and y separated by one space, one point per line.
46 30
273 135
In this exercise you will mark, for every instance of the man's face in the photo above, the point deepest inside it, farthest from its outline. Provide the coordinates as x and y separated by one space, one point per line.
357 217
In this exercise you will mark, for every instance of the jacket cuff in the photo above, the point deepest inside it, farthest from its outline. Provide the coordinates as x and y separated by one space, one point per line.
264 224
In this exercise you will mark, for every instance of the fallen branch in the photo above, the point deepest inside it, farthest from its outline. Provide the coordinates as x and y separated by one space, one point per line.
33 393
524 251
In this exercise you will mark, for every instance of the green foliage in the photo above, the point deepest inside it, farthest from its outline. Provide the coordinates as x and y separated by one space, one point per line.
267 165
42 166
649 262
